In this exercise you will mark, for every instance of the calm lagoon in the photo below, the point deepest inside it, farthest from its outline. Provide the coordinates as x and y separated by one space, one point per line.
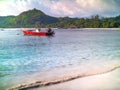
25 59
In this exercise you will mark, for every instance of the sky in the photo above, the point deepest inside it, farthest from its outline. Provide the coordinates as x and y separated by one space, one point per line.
62 8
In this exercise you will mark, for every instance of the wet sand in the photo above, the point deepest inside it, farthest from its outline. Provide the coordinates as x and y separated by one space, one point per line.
101 80
106 81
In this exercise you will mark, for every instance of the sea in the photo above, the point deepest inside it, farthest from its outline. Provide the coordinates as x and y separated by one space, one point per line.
27 59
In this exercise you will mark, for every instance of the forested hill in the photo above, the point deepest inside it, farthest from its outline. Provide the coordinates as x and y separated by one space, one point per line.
36 18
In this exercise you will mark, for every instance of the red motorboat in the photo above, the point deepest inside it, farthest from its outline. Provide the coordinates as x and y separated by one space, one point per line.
34 33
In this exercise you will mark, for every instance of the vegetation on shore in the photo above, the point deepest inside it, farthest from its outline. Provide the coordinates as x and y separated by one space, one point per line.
36 18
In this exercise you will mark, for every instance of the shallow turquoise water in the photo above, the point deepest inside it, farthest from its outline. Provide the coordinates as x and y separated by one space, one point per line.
23 57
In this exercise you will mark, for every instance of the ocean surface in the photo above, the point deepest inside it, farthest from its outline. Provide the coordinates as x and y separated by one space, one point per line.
25 59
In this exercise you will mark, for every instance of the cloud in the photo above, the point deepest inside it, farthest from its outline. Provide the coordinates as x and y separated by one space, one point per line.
85 8
62 8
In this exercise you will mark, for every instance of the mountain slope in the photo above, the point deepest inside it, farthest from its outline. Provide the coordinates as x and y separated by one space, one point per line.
36 18
33 18
7 21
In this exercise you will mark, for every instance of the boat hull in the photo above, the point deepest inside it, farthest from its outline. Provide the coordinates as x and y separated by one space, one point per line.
34 33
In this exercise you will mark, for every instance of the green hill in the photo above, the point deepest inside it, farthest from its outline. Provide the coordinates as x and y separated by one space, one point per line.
36 18
30 18
7 21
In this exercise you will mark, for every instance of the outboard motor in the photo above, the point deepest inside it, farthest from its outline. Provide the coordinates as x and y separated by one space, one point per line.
50 32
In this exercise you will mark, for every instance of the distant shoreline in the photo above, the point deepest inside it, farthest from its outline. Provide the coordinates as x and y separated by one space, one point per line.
102 28
67 28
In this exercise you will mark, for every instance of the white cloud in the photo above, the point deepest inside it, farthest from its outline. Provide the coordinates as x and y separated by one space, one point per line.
11 7
61 8
84 8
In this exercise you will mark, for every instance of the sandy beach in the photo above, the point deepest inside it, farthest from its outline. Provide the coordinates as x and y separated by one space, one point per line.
107 81
102 80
